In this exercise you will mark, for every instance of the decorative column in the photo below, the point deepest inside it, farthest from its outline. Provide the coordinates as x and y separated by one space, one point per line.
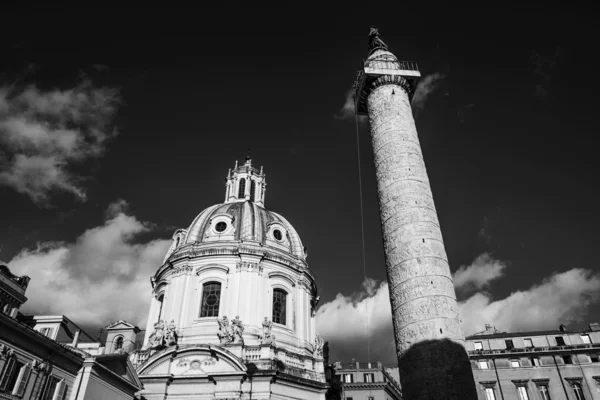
429 339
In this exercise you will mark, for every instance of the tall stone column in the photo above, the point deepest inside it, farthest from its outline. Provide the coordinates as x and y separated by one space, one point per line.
429 338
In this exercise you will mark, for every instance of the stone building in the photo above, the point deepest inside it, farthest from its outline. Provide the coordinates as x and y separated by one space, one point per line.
232 308
364 381
555 364
43 357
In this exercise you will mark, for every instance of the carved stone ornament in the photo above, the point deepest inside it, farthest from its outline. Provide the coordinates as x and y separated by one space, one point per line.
267 337
230 332
6 351
163 336
318 347
182 270
313 305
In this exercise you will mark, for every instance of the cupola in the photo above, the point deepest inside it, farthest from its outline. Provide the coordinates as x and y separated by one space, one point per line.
245 183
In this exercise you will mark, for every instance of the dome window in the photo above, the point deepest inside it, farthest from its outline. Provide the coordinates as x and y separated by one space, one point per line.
211 296
277 234
242 190
252 190
279 306
221 226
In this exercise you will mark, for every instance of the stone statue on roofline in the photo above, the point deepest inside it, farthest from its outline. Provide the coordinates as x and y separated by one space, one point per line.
318 347
267 337
375 42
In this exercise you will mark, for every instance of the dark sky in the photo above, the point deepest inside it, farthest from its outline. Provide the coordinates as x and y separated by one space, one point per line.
508 136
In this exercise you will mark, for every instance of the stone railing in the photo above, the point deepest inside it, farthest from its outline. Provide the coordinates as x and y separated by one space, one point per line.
138 357
252 354
281 366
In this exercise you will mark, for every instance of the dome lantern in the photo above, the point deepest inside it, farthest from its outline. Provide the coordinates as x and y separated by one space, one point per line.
245 183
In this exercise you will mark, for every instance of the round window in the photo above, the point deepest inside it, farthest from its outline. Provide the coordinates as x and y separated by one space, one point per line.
221 226
277 234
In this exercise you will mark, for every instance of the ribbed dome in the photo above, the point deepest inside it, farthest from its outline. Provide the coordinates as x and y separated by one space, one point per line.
245 221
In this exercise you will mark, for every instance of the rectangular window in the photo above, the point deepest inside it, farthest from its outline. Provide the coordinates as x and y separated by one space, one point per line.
535 361
567 359
211 297
594 358
544 393
483 364
489 394
371 398
50 388
586 339
369 377
509 344
46 331
10 374
522 393
23 378
560 341
515 363
348 378
478 346
528 342
279 306
578 391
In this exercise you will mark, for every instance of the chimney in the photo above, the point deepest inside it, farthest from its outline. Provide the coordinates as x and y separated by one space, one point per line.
487 326
562 328
594 326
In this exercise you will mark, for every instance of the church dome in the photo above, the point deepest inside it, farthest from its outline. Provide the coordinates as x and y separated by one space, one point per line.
244 221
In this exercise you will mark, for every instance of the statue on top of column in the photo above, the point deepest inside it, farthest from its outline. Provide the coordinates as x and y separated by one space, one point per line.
375 42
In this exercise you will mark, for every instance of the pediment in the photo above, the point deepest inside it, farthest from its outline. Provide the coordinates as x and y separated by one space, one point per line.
197 361
122 325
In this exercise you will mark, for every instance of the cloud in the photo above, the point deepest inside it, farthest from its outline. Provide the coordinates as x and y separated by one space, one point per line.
347 110
425 88
479 274
44 133
350 322
101 277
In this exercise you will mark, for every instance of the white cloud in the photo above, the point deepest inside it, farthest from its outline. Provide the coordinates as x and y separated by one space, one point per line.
101 277
425 88
349 321
479 274
45 132
346 112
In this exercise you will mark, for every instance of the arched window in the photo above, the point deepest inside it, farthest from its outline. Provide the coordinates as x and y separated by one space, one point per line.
279 306
160 306
119 343
242 190
252 190
211 297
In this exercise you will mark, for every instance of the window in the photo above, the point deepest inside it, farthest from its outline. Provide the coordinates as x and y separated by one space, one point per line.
528 342
46 331
567 359
478 346
369 377
279 305
489 394
160 307
242 189
483 364
22 379
220 226
515 363
594 358
277 234
522 390
371 398
560 341
348 378
119 343
10 375
578 391
535 361
252 190
509 344
544 393
211 296
55 389
586 339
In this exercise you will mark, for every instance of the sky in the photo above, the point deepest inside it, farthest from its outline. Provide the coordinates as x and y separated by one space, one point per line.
119 126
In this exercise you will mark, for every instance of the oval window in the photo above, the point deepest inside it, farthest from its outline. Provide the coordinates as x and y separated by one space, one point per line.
277 234
221 226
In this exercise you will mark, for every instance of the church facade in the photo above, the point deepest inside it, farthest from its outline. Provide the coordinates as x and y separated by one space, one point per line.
232 308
